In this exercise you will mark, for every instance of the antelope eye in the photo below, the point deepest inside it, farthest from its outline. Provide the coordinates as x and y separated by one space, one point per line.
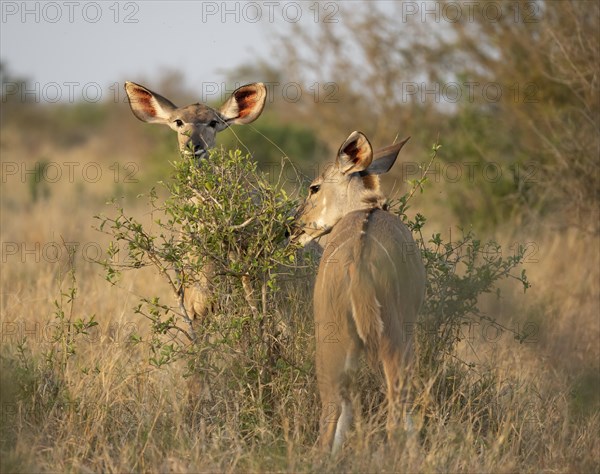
179 123
314 189
213 123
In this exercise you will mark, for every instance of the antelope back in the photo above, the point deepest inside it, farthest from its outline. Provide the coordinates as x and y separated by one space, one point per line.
370 283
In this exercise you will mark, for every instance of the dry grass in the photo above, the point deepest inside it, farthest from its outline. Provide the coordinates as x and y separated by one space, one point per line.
531 407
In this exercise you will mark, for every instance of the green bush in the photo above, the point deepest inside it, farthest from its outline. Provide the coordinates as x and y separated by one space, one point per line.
224 215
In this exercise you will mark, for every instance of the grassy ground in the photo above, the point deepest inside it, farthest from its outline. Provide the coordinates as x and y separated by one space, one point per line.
529 407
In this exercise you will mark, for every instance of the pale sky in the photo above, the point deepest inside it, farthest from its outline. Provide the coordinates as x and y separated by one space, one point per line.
106 42
73 50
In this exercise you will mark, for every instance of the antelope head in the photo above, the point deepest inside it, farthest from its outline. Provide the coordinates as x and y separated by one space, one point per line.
349 184
197 124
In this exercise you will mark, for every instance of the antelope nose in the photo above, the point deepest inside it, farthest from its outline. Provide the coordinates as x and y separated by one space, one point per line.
199 151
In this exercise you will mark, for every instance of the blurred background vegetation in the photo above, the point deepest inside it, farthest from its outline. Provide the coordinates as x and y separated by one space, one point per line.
514 100
520 92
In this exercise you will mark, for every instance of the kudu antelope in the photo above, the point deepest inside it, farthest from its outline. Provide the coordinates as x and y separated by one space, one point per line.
197 126
370 282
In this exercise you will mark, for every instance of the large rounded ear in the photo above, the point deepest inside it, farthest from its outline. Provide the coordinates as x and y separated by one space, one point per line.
355 154
384 158
245 104
148 106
